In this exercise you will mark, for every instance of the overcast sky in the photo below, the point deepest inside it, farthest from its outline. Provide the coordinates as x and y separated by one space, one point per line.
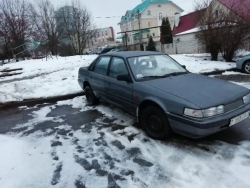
110 8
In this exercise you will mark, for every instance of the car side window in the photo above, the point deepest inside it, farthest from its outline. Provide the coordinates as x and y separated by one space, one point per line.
117 67
101 65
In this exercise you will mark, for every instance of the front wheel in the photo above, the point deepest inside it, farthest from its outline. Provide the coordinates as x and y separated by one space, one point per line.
90 96
155 123
246 67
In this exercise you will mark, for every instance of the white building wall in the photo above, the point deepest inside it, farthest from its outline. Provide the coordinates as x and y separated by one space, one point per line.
167 9
183 44
102 36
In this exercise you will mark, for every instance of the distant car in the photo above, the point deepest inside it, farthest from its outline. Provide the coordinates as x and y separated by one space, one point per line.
95 51
163 95
86 52
118 50
105 50
244 64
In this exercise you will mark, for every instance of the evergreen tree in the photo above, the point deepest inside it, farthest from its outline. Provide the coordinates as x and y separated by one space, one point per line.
151 44
166 32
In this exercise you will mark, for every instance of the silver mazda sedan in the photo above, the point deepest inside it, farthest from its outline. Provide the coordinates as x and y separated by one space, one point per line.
163 95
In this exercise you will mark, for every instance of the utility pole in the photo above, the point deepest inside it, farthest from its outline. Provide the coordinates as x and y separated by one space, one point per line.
139 24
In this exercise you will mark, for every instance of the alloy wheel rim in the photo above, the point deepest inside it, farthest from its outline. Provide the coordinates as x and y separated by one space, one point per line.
247 67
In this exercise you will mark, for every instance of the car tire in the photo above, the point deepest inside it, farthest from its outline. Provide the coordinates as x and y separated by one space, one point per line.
90 96
155 123
246 67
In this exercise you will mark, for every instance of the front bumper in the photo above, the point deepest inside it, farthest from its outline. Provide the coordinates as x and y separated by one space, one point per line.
198 128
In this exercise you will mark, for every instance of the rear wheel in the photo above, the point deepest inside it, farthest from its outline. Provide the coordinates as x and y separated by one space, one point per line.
246 67
155 123
90 96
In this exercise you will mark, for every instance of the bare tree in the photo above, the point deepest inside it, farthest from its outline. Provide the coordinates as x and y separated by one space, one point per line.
75 25
43 15
15 24
222 29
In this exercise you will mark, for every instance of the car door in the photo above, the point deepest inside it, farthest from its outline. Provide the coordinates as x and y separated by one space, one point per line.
119 92
97 73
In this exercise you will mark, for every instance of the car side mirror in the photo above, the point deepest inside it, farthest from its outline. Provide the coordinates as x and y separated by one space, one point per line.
184 66
124 77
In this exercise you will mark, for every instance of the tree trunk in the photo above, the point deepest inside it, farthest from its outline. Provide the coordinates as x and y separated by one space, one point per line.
214 55
229 57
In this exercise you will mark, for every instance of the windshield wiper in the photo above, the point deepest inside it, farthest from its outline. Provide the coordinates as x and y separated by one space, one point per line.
166 75
174 74
152 77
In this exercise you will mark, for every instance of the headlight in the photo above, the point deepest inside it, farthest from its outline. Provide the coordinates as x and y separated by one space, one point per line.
246 99
210 112
204 113
220 109
193 113
213 111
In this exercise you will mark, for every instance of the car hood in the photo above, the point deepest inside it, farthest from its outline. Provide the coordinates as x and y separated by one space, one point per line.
200 90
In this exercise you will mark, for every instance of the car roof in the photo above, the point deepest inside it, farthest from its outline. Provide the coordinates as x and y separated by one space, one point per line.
127 54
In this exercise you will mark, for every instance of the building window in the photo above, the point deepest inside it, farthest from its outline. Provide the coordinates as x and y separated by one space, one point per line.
149 12
160 16
148 35
159 6
217 13
149 24
133 27
153 34
171 12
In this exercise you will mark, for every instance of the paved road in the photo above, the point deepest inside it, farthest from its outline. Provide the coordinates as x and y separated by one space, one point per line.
234 78
10 118
114 149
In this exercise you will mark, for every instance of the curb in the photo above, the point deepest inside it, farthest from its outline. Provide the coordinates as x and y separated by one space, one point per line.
33 102
219 72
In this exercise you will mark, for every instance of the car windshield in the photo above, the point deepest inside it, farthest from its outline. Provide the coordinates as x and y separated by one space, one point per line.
154 66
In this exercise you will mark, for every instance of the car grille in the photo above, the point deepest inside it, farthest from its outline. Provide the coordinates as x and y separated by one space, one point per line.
233 106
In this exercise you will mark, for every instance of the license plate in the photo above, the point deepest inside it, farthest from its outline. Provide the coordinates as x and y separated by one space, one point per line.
239 118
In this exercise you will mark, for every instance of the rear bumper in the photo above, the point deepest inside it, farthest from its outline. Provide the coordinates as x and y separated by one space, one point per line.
239 64
198 128
80 82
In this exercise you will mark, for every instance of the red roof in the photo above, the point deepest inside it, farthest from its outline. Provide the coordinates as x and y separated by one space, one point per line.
240 7
187 22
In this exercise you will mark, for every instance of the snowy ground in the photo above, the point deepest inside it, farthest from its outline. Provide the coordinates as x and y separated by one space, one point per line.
52 149
58 76
199 64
